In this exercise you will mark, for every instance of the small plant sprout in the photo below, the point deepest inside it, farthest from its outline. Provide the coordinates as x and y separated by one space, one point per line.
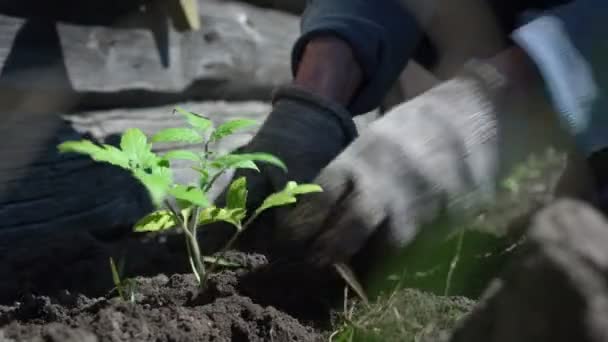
124 286
187 206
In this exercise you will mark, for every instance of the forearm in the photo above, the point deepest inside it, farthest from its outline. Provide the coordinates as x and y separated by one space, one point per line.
380 36
328 68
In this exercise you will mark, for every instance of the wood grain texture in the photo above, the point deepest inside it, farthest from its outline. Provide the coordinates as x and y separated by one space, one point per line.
140 60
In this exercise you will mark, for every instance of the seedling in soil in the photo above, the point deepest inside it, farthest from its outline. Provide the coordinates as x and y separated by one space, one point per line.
124 286
187 206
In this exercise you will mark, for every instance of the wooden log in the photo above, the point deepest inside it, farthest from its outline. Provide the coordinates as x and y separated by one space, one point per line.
240 53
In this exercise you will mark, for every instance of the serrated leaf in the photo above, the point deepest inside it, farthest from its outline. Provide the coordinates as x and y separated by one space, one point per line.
104 153
191 194
214 214
236 197
233 161
154 222
181 155
195 120
231 127
246 161
287 195
134 144
156 184
132 141
183 135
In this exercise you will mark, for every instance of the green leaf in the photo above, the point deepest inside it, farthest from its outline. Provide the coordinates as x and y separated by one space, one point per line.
287 195
236 196
156 184
196 121
221 262
246 161
157 221
183 135
215 214
182 155
133 141
190 194
230 127
135 146
104 153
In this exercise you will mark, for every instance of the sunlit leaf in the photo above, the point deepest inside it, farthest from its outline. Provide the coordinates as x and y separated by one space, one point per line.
231 127
104 153
191 194
134 144
156 184
287 195
246 161
181 155
157 221
195 120
133 140
236 197
214 214
183 135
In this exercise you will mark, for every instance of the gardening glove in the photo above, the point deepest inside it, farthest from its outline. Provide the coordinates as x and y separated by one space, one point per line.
306 132
441 153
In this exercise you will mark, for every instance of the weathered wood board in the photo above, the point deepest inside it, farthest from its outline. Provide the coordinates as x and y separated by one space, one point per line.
241 52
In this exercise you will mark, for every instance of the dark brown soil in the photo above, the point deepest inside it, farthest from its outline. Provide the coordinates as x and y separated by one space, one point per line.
164 310
60 291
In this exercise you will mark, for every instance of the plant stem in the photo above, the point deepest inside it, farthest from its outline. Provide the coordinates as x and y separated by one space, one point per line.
221 254
229 244
454 263
213 180
194 252
195 246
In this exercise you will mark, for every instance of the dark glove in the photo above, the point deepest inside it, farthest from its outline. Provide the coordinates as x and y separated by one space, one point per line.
306 132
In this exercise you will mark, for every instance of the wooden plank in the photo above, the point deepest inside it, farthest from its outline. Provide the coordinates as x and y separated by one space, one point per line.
240 53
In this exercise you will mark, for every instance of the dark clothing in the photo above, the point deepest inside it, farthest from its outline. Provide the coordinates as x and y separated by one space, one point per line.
384 36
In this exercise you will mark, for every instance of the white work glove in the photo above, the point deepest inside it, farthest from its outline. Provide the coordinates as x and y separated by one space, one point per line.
440 153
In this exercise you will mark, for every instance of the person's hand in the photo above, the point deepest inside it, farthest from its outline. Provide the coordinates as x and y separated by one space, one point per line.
306 132
440 153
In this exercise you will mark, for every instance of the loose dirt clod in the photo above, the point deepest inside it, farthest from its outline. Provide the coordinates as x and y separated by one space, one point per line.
164 311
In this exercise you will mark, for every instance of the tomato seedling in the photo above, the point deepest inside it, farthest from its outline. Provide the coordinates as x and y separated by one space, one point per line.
187 206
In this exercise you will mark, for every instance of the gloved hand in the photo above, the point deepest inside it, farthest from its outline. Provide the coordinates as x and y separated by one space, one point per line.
306 132
440 153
